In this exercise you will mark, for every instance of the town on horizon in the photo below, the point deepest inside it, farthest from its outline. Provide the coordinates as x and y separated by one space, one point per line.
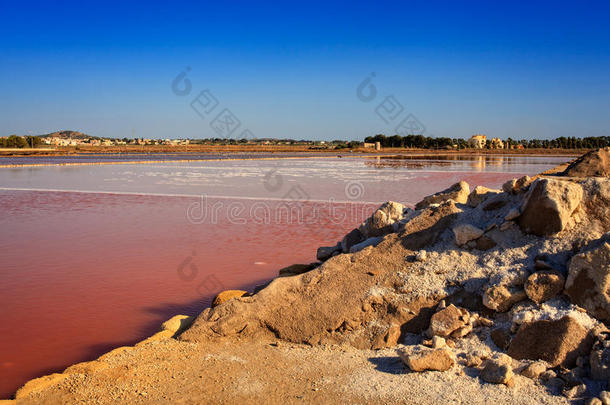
67 138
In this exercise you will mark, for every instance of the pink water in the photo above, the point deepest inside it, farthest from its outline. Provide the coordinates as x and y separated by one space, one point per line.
86 270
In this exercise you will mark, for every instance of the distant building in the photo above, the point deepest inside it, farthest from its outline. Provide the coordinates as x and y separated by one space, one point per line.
369 144
477 141
496 143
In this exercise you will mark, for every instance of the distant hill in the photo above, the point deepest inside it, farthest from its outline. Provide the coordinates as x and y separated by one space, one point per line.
69 135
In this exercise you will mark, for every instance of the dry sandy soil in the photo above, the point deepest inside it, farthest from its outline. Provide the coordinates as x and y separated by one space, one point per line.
275 372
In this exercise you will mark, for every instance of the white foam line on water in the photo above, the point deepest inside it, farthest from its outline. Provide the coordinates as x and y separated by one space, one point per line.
285 169
218 197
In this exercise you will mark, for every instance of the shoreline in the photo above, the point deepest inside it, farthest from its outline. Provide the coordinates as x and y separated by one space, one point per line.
311 155
207 149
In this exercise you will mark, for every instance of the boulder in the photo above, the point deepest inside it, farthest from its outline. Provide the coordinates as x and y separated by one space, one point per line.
295 269
600 364
462 331
588 283
177 324
447 320
534 370
501 298
425 228
226 296
485 243
464 233
382 220
392 336
352 238
326 252
544 285
559 342
498 370
438 342
593 164
458 193
471 360
479 194
516 186
548 206
421 358
374 241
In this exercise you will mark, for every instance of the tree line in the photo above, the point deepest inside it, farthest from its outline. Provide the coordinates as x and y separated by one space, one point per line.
16 141
426 142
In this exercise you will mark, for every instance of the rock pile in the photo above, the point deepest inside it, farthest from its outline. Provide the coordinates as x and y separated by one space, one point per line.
522 274
594 163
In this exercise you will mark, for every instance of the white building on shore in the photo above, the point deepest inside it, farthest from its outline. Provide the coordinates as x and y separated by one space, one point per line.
477 141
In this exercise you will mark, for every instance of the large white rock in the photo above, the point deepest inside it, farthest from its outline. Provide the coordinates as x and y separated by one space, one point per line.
458 192
548 206
382 220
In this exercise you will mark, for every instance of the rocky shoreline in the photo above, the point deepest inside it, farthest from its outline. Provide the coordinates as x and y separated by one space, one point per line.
499 294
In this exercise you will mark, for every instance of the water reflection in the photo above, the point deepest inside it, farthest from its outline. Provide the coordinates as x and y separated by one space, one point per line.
475 163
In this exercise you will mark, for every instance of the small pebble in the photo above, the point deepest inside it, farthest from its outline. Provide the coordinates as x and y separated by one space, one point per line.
421 256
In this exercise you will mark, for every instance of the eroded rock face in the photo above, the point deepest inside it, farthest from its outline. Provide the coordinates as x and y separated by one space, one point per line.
544 285
594 163
382 220
548 206
588 283
559 342
458 192
422 358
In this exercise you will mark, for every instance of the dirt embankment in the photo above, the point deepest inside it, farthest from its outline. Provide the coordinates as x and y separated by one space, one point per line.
477 296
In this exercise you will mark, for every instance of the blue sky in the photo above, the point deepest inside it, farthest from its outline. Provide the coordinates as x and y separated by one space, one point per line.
516 69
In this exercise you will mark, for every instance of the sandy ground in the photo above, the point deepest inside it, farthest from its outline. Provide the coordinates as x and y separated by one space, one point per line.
276 372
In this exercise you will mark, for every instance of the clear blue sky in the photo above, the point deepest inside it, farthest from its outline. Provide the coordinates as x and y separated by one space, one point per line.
516 69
